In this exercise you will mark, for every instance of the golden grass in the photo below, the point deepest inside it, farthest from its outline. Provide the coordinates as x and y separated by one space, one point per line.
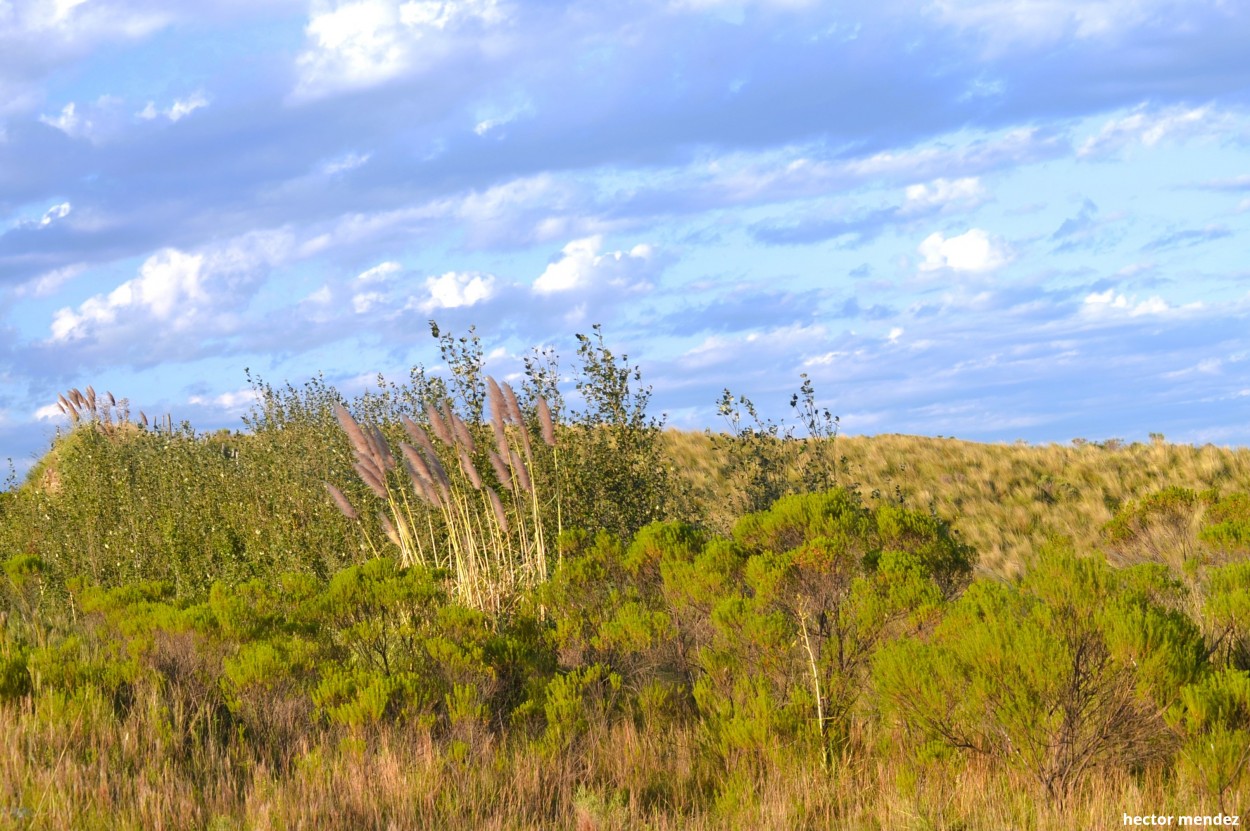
1005 499
97 770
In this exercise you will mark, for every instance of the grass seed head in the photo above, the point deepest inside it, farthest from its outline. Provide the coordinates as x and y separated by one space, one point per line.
342 502
522 475
546 422
370 477
497 507
438 426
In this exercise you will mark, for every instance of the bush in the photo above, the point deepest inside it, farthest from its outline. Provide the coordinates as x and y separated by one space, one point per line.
1059 675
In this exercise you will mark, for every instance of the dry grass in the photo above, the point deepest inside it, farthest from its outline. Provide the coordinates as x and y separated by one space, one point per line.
1005 499
97 771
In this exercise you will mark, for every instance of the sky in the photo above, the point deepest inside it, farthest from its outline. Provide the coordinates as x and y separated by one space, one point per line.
998 220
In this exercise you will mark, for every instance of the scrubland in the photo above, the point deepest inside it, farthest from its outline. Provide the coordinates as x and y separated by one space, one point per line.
449 603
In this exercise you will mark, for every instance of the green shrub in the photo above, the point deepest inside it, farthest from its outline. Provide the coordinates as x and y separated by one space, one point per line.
1059 675
1214 718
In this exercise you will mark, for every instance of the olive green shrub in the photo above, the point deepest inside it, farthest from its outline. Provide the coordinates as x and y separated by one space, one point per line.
1059 675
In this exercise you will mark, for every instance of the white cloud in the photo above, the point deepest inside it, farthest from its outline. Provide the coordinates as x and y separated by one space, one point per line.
68 122
943 194
185 106
362 43
750 348
49 282
56 212
580 266
79 22
380 273
735 9
49 412
972 251
350 161
1148 127
365 301
454 290
180 108
236 401
321 297
1111 302
174 292
167 281
1010 23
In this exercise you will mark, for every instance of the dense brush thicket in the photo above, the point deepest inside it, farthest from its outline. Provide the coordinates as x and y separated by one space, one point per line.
449 603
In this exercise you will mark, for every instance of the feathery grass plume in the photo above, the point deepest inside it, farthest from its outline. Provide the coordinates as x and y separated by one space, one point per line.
91 398
419 473
388 528
341 500
421 437
112 400
462 433
370 478
411 427
466 465
436 424
143 418
354 434
514 410
440 472
381 449
68 407
522 475
500 516
428 491
78 398
416 463
500 466
449 419
495 395
498 413
546 422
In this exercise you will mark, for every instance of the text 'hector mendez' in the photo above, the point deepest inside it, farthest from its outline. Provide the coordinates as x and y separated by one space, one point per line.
1215 821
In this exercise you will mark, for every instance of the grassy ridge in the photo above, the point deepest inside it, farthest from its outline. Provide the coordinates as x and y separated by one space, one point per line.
1005 499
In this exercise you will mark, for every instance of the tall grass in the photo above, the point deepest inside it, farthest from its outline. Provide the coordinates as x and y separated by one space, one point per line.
442 507
1007 499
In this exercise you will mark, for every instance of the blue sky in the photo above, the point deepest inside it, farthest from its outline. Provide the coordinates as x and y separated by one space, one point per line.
994 219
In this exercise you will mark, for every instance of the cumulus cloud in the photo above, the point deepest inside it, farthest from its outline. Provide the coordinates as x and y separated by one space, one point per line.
362 43
167 282
581 266
972 251
178 300
454 290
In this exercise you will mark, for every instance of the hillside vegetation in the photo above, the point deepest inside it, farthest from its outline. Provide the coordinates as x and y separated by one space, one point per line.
452 603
